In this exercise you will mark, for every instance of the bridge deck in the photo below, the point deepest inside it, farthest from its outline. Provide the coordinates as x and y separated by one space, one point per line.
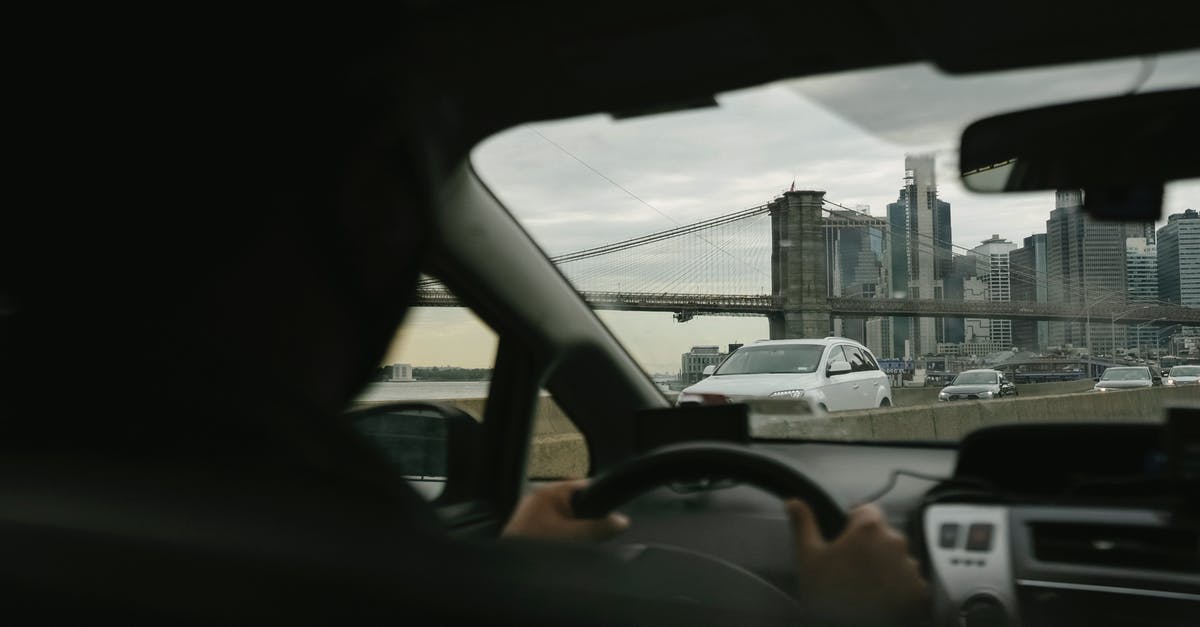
736 304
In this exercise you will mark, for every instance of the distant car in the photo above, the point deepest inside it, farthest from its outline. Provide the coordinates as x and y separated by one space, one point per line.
977 385
1125 378
832 374
1184 375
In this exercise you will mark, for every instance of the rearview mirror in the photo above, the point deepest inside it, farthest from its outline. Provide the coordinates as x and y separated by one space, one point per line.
1119 150
432 446
838 367
708 370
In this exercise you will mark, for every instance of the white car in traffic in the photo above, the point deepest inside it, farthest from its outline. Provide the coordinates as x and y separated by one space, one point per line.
1183 375
832 374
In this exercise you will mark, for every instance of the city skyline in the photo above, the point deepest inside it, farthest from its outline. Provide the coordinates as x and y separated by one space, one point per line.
578 183
654 338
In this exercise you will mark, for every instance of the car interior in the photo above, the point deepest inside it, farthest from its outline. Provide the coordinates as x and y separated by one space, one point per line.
232 221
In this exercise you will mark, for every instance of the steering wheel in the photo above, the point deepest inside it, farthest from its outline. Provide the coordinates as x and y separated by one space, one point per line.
705 460
681 573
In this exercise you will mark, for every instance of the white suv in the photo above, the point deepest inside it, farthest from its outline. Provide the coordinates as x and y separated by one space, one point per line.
834 374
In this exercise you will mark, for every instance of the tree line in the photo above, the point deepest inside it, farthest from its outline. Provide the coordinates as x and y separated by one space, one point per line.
440 373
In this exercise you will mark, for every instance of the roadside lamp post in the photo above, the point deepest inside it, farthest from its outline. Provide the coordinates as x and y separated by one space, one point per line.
1087 312
1158 339
1112 326
1138 331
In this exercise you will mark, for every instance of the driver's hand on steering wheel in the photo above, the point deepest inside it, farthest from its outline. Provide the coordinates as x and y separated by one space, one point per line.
545 514
863 577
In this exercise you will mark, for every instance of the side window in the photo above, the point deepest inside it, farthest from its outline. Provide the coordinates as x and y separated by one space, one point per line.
858 361
835 354
439 355
871 360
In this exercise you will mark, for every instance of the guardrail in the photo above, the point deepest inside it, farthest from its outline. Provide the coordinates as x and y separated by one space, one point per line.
951 421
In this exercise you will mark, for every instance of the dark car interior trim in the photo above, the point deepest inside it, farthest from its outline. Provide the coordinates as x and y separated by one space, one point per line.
227 220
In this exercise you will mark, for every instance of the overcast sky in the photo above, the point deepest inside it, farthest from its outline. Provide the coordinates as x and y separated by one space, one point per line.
586 181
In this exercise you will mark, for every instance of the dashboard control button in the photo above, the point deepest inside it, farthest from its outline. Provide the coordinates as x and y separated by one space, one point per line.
979 537
948 536
983 611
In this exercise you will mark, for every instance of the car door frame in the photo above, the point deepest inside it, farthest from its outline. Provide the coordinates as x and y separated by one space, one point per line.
867 379
838 392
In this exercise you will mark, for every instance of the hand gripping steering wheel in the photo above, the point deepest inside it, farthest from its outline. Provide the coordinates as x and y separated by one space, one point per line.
673 572
706 460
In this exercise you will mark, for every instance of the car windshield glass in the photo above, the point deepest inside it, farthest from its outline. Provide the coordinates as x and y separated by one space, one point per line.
777 359
975 378
832 207
1185 371
1125 374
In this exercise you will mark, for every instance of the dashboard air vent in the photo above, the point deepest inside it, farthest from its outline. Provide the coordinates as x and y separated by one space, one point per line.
1118 546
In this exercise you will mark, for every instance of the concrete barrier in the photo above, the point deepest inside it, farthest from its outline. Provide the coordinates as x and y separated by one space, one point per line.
558 450
1057 387
951 421
915 397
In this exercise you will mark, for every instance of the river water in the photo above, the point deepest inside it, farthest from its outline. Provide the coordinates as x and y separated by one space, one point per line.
424 390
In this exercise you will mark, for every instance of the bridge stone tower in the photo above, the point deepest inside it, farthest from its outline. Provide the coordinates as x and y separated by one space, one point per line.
798 273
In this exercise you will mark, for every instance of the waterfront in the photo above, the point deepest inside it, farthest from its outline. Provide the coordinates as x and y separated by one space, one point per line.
424 390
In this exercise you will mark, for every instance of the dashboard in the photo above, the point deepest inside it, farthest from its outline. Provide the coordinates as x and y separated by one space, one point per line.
1010 565
1080 524
1068 525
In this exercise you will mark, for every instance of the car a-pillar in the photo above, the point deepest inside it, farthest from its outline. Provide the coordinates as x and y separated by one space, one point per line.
798 273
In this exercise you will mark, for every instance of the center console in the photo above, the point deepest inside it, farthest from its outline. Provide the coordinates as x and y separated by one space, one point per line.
1068 525
999 565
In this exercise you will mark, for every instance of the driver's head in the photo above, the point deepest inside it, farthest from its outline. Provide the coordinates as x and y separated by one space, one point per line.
244 256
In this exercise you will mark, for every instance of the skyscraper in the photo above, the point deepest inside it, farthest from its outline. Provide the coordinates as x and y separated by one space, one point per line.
1141 275
921 253
1179 259
1141 270
856 248
1179 263
1085 266
1028 270
962 267
994 276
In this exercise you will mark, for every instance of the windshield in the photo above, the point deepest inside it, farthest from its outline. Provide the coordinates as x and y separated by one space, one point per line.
1185 371
1125 374
772 359
831 206
975 378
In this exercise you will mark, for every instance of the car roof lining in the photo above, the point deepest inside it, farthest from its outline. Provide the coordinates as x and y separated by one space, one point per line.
548 62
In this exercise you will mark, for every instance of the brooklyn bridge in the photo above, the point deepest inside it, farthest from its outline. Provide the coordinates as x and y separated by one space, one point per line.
779 260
